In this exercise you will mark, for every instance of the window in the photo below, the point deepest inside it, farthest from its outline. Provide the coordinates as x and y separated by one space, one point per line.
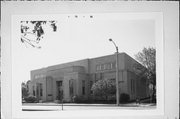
108 66
41 90
59 83
98 67
37 90
95 77
101 75
113 79
71 87
113 65
39 76
103 66
83 87
33 91
132 86
59 90
91 83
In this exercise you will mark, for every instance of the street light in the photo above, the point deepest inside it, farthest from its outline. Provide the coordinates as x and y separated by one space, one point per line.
117 75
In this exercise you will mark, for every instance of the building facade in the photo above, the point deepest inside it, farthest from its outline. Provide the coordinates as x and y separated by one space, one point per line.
76 78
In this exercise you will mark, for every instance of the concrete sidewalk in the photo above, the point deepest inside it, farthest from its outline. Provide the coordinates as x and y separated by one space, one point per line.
76 107
96 105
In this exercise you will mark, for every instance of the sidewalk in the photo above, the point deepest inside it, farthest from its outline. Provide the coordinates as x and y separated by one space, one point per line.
96 105
77 107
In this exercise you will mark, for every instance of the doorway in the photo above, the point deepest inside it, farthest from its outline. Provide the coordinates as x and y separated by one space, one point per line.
39 91
59 90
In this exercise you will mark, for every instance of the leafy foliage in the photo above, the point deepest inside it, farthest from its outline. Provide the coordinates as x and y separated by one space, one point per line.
24 90
30 99
124 98
60 96
104 88
33 31
147 57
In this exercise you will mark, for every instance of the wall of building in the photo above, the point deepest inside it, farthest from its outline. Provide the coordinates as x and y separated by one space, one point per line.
84 63
107 71
49 88
87 71
105 60
123 81
54 80
132 85
67 78
49 76
33 87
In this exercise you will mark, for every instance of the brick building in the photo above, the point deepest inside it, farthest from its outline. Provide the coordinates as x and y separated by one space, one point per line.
76 78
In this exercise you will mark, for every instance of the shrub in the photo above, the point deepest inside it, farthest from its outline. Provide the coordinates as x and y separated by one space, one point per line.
104 88
30 99
78 99
81 99
124 98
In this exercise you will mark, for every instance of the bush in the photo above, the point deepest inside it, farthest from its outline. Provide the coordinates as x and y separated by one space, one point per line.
31 99
81 99
124 98
78 99
104 88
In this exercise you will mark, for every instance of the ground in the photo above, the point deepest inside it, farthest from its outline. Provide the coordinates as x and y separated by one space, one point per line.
74 106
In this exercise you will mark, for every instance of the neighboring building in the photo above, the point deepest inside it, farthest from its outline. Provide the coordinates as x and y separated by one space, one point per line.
76 78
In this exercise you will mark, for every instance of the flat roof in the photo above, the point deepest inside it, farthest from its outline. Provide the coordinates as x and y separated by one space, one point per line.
45 68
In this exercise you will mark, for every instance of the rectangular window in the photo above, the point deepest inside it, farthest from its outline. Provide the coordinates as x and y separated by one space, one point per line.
91 83
37 90
83 90
108 66
113 65
83 87
134 83
98 76
33 91
103 67
98 67
95 77
60 83
71 87
113 79
132 86
101 75
41 90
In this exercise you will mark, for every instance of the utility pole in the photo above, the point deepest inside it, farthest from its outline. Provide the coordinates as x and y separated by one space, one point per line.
117 74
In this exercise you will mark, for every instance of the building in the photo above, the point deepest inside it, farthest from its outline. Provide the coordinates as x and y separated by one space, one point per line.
76 78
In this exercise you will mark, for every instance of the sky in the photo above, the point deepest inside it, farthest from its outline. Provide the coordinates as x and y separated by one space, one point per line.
81 38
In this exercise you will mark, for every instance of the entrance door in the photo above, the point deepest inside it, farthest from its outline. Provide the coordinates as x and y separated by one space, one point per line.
39 91
49 88
59 90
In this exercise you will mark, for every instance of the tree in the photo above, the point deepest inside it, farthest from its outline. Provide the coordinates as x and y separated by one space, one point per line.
147 57
104 88
33 31
24 90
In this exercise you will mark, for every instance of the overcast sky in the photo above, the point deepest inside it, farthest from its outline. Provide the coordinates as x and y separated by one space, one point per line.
81 38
